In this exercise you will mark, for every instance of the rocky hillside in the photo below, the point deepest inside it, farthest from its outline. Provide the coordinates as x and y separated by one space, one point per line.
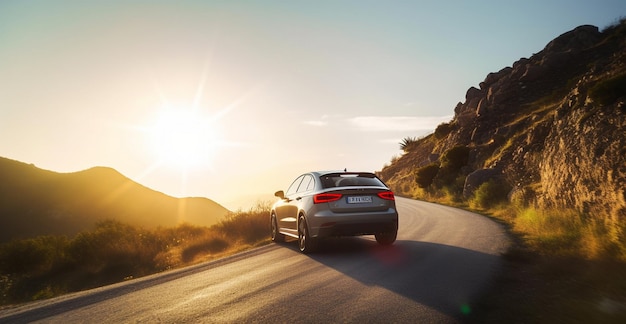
39 202
552 127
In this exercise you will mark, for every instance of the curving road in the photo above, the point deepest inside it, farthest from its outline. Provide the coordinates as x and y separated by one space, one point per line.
443 259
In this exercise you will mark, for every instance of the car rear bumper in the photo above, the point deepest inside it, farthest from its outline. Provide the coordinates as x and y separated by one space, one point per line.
350 224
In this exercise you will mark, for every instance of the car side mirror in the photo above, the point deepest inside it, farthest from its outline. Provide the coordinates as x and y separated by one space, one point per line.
280 194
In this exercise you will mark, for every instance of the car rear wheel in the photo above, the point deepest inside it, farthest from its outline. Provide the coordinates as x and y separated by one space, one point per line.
276 235
306 243
386 238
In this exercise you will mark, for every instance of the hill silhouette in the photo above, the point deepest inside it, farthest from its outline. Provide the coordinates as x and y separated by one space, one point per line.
37 202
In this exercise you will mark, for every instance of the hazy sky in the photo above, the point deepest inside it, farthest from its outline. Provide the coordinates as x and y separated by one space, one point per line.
231 100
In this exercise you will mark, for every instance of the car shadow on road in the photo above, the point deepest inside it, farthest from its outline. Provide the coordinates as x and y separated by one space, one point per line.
443 277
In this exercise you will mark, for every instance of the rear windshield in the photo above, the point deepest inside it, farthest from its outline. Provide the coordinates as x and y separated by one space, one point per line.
350 180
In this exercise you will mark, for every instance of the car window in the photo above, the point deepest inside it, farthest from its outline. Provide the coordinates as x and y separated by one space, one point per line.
351 179
294 186
311 185
306 184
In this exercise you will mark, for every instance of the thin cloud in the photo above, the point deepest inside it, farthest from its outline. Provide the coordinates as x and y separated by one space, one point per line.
323 121
316 123
398 123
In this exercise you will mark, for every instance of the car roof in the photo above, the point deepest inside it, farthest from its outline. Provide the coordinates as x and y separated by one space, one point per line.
322 173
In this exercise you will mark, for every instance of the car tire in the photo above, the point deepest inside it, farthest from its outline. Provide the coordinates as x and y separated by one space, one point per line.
306 243
275 234
386 238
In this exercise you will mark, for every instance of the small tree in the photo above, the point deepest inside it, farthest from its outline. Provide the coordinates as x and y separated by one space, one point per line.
424 176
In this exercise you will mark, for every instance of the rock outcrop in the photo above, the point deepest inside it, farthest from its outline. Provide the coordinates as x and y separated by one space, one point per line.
548 124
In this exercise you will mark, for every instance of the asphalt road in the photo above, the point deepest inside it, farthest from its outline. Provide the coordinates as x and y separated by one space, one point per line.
443 259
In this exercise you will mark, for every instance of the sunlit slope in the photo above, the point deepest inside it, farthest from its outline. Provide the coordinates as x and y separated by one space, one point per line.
551 128
39 202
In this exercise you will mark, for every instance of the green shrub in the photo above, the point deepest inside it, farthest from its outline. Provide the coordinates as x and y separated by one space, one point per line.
452 163
453 193
608 91
455 158
490 194
443 130
115 243
34 255
424 176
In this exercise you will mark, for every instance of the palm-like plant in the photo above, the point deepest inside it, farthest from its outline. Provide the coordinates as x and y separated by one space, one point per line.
407 143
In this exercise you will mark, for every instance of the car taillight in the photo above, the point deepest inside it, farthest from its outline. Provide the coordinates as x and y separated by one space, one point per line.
326 197
387 195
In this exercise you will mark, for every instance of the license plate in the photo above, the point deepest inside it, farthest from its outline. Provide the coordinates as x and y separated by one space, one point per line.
359 199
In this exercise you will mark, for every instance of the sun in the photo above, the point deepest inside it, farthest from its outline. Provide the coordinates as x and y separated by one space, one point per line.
184 138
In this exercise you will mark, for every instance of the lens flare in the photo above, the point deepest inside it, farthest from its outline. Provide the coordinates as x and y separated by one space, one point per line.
183 138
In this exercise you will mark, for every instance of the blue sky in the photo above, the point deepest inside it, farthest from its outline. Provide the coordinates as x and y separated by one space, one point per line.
231 100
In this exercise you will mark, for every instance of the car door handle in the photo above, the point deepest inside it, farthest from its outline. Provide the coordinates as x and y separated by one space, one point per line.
298 198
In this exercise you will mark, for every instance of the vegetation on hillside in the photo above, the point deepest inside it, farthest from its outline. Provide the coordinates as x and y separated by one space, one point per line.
609 91
47 266
408 143
545 145
555 146
563 266
563 232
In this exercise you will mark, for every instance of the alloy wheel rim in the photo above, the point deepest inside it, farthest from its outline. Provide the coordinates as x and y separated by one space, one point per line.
274 228
302 235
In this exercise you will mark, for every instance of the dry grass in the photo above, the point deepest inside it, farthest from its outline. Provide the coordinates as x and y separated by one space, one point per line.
48 266
563 267
566 233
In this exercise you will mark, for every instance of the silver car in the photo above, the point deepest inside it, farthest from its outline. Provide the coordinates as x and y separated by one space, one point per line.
334 203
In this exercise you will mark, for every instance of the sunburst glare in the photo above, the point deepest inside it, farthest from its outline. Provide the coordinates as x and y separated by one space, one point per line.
184 138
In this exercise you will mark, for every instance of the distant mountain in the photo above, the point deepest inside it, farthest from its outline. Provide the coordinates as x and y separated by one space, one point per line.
552 126
39 202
